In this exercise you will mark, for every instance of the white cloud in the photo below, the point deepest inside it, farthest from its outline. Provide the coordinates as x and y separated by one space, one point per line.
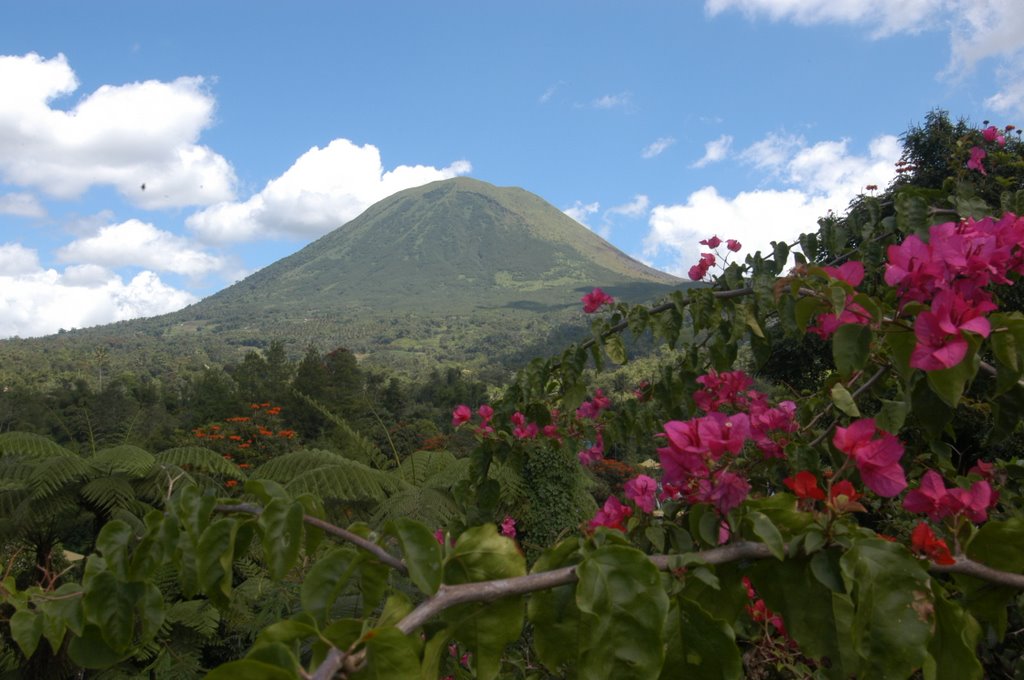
978 30
120 135
581 211
549 93
21 205
885 16
613 101
823 177
656 147
140 244
322 190
635 208
36 301
714 151
772 152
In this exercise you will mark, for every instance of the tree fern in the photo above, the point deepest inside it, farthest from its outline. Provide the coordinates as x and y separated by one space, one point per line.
131 460
288 466
353 444
55 473
433 507
31 445
199 458
107 493
350 481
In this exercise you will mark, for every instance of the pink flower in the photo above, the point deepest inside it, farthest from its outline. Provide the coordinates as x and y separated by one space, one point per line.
508 526
461 414
733 245
593 300
877 459
974 162
939 331
992 134
641 490
729 491
851 272
612 515
485 412
932 498
712 242
720 433
594 453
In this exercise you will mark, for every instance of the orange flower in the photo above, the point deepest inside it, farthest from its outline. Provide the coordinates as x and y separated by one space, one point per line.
227 456
244 466
235 438
231 483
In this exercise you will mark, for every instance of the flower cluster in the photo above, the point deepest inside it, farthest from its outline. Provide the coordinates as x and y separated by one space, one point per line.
877 455
595 299
707 260
851 273
952 272
462 414
932 498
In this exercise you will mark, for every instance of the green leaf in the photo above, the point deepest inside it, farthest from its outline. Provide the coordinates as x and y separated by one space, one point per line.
618 638
851 347
893 615
112 543
65 607
214 556
281 522
949 383
110 605
90 649
952 654
805 310
843 400
421 551
615 348
390 654
482 554
27 629
553 612
892 414
699 646
326 579
911 213
769 534
805 603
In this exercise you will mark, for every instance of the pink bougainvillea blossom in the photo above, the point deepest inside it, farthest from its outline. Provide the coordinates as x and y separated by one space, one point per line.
461 414
975 161
641 490
593 454
993 134
508 526
712 242
612 515
593 300
877 457
932 498
485 412
733 245
939 331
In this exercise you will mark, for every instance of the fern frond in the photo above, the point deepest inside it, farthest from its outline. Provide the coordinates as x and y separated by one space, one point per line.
350 481
198 616
288 466
31 445
131 460
54 473
353 444
421 465
199 458
433 507
108 493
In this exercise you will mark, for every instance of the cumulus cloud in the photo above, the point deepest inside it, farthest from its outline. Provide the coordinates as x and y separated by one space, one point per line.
714 151
125 136
322 190
978 30
820 178
635 208
36 301
139 244
884 16
21 205
581 211
622 100
772 152
656 147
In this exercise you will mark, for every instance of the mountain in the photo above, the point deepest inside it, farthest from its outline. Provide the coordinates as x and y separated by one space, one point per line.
456 271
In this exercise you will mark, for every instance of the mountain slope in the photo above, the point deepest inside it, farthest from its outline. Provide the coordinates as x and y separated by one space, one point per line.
457 271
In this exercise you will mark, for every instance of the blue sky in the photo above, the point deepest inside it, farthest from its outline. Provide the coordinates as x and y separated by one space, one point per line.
257 127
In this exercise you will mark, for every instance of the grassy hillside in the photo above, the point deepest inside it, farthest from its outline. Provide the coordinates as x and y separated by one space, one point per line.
457 271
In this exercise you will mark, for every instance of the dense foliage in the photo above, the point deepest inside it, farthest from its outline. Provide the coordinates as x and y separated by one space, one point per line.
816 474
